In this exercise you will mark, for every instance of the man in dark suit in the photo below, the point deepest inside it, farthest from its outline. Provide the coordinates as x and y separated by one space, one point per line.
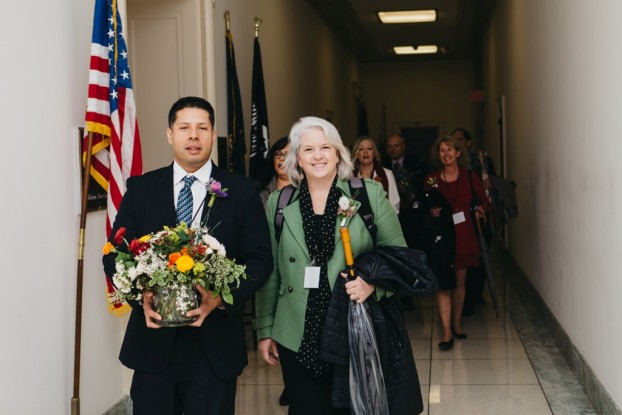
410 172
192 369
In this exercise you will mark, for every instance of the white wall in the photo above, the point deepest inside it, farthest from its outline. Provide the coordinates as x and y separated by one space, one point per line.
422 92
45 68
306 69
558 63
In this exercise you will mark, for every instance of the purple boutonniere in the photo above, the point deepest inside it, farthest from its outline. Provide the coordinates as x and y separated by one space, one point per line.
214 188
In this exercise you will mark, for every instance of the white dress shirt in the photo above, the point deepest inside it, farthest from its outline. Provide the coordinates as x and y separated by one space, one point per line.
199 188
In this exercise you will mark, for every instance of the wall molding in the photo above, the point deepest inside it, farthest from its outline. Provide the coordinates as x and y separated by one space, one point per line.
524 303
122 407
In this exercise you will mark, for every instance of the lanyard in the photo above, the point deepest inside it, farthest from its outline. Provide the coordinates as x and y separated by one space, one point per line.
453 197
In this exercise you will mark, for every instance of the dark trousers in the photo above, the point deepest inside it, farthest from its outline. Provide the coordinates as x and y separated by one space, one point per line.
187 386
474 288
308 393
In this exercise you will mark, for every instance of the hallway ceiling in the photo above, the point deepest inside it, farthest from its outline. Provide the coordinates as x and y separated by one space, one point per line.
457 31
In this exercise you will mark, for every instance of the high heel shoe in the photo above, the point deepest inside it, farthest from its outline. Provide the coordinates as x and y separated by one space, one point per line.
459 336
446 345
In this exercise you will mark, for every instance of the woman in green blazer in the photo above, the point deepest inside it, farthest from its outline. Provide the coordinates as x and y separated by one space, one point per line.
308 258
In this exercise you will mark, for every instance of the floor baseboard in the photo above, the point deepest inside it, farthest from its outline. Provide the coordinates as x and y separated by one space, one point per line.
122 407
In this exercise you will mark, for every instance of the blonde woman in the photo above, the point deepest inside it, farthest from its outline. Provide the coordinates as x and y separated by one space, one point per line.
367 164
460 188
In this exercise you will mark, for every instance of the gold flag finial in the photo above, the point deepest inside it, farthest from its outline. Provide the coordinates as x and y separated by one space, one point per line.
228 20
258 23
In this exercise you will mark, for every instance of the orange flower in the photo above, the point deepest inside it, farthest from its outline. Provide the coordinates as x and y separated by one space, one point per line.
107 248
184 263
172 258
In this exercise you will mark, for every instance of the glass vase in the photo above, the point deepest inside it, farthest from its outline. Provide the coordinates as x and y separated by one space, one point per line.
173 302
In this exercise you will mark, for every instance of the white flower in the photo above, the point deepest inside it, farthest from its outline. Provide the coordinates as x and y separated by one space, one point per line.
214 244
132 273
141 268
344 203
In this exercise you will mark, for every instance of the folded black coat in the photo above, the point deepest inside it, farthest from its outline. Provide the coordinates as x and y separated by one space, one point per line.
402 270
396 356
440 241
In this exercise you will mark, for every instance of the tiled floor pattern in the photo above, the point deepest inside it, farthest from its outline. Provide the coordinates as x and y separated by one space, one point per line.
490 373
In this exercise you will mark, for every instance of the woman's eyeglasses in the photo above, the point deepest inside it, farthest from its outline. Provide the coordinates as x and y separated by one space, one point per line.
280 154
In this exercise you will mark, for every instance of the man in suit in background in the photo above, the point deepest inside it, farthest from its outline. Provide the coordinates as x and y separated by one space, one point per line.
192 369
410 172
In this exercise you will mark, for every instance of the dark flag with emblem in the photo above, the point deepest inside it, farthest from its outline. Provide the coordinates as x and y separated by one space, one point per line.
382 134
362 129
259 119
235 121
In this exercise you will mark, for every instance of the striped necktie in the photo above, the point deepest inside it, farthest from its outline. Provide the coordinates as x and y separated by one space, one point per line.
184 201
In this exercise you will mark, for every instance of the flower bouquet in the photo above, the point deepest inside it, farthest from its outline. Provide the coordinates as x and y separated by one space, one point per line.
432 193
170 263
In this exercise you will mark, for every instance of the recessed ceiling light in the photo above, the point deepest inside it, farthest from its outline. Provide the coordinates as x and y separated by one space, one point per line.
408 16
409 50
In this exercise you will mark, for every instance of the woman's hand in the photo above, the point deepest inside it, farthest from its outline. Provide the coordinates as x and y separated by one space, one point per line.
435 212
269 351
358 290
480 213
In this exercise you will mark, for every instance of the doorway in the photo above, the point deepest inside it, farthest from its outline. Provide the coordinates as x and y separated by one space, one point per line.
420 137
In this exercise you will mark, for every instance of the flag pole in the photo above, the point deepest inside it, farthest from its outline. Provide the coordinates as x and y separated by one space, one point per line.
75 400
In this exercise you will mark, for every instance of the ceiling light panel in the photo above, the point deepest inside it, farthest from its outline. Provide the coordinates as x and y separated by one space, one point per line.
421 49
408 16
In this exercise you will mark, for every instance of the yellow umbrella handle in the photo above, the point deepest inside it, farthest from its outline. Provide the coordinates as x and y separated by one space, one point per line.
347 251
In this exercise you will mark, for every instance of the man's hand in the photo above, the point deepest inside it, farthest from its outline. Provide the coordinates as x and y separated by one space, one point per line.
208 304
150 314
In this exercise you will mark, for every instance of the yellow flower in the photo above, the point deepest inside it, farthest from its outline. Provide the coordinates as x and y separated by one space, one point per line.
184 263
145 238
107 248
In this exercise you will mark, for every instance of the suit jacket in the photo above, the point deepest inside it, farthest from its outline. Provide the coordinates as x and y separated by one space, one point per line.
239 223
282 302
409 179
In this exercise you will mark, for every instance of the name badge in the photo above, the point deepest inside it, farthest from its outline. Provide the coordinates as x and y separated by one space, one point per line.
458 217
312 277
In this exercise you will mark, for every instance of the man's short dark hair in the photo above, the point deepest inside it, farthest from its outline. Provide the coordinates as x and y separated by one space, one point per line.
465 133
190 102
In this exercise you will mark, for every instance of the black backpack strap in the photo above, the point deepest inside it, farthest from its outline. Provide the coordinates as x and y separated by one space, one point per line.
359 192
285 198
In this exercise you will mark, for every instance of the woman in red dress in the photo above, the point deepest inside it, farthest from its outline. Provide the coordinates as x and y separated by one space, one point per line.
464 193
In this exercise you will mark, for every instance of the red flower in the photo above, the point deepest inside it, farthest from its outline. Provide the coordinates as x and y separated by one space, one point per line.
137 247
118 237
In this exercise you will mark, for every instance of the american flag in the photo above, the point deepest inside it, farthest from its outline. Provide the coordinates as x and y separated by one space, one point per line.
111 117
111 112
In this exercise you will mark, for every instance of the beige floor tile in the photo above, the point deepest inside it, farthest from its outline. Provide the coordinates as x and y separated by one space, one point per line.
487 400
259 400
483 372
259 372
482 349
